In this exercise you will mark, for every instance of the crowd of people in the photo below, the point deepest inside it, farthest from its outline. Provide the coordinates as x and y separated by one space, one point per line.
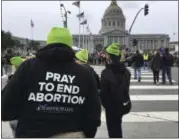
160 61
56 93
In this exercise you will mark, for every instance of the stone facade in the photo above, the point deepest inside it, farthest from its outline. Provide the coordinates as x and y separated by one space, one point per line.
113 29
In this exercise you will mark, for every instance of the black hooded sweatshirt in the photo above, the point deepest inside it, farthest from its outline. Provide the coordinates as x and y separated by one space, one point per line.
68 102
114 87
94 74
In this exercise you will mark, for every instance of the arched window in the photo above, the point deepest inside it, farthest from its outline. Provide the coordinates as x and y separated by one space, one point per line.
114 23
109 23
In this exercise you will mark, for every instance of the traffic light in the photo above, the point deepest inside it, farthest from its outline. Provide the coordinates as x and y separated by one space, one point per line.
146 9
134 42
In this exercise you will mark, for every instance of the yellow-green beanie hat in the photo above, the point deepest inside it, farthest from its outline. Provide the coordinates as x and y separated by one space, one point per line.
114 49
60 35
82 55
16 61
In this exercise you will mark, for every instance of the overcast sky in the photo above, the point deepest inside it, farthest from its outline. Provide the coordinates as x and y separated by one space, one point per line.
16 16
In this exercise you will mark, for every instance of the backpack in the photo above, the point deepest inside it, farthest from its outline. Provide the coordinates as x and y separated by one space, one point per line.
123 89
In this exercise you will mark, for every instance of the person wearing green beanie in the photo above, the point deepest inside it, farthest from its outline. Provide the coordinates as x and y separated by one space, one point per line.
16 61
82 59
115 81
60 35
82 56
50 94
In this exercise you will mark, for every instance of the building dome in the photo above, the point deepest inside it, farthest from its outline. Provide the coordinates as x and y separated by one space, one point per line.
113 18
112 9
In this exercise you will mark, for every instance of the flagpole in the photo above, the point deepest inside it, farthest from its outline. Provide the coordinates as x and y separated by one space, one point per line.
32 33
79 27
86 40
83 34
87 28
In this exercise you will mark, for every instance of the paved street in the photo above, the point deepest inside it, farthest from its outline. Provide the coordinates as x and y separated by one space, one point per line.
154 112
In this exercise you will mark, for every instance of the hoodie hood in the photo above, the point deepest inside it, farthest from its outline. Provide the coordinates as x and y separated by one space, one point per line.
117 67
56 53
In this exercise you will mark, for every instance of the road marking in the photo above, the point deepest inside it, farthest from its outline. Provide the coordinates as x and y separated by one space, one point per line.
6 130
145 76
145 73
153 87
149 81
4 80
153 97
147 117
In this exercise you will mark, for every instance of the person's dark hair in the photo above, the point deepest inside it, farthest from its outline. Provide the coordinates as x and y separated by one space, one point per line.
137 51
115 59
166 50
9 51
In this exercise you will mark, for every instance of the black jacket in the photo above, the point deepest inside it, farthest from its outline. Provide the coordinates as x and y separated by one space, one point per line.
94 74
68 104
156 62
112 88
137 60
167 60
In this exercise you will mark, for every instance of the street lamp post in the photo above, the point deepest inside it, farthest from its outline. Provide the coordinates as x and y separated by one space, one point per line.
65 22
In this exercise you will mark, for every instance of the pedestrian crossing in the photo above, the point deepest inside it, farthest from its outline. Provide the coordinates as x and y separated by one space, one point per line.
151 104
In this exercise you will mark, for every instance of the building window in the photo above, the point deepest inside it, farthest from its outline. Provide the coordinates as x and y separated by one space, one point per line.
105 23
118 23
109 23
114 23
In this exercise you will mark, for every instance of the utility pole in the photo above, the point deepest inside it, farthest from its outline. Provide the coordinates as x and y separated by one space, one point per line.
65 22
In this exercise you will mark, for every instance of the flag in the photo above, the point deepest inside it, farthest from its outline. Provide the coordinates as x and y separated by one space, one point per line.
84 22
76 3
80 15
87 29
31 23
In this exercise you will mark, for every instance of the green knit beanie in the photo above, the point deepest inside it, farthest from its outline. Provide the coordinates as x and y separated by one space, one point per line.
60 35
17 61
114 49
82 55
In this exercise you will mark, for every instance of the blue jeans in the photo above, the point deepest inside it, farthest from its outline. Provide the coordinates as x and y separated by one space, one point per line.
166 70
145 64
137 72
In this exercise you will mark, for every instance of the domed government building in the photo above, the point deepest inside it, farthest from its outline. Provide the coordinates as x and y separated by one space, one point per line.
113 29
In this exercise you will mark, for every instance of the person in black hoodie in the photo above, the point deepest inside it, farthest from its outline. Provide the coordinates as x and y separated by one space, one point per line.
82 58
48 95
156 66
115 81
167 63
137 61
